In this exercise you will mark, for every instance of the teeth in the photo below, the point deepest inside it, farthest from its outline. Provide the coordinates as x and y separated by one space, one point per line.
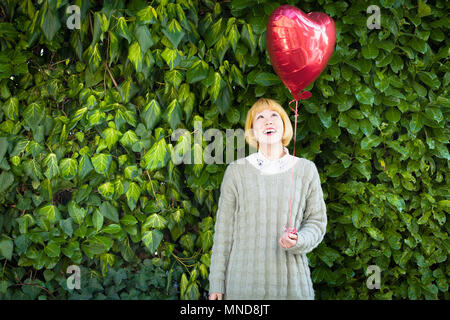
270 130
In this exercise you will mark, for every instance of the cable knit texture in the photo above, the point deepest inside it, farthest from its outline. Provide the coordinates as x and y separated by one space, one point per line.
247 261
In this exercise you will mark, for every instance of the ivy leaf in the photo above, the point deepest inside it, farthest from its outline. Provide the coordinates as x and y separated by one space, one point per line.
135 56
233 37
394 239
32 169
365 95
267 79
197 72
152 239
151 114
6 180
174 32
24 222
214 33
221 48
133 193
50 23
109 211
93 57
146 15
106 190
434 114
206 239
369 51
216 87
175 77
128 220
85 166
430 79
66 226
155 221
396 201
6 248
329 255
97 220
3 147
51 162
393 115
112 229
11 108
129 138
96 118
111 136
416 123
33 114
99 20
144 37
157 157
249 38
237 76
75 212
171 57
52 249
423 10
188 241
101 163
173 114
183 285
69 168
375 233
370 142
131 172
113 47
50 212
418 44
92 248
224 99
122 29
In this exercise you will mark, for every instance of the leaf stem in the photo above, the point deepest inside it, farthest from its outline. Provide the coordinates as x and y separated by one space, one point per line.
36 285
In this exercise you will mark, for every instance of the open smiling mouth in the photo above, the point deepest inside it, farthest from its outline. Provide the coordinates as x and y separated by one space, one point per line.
269 132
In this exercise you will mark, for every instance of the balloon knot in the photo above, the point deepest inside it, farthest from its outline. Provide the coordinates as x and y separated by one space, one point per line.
305 95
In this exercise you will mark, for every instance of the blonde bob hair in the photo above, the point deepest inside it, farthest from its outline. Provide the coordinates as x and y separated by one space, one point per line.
259 106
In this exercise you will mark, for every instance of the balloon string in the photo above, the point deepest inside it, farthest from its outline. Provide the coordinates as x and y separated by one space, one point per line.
303 95
292 171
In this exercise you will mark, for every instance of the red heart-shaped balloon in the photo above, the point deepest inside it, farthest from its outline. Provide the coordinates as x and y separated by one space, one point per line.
299 46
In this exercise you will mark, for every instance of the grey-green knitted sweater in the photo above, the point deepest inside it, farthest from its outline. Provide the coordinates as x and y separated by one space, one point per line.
247 261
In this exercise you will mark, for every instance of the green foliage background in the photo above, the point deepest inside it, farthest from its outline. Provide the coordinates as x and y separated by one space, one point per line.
86 117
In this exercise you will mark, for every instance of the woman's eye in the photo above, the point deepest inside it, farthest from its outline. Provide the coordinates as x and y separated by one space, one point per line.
258 117
274 114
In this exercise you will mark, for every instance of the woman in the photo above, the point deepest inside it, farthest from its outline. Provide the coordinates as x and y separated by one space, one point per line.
253 257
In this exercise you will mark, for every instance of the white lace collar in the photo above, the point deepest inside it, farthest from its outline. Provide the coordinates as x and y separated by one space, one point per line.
267 166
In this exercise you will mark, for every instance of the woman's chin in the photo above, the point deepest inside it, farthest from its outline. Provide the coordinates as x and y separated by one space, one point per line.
270 140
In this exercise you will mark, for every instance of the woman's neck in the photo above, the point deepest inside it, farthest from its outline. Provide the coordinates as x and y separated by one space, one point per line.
272 151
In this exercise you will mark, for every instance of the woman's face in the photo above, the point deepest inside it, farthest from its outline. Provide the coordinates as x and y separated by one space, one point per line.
268 127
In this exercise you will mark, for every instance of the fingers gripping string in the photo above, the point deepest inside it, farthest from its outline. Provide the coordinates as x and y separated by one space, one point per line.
304 95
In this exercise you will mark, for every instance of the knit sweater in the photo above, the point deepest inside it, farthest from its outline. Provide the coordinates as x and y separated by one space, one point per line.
247 261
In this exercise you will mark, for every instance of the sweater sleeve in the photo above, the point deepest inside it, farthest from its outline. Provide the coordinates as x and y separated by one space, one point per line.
314 224
223 232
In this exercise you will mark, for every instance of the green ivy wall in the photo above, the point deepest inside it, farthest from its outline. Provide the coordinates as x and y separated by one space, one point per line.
86 117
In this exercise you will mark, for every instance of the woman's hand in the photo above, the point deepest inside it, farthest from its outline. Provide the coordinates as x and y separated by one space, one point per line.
288 240
215 296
